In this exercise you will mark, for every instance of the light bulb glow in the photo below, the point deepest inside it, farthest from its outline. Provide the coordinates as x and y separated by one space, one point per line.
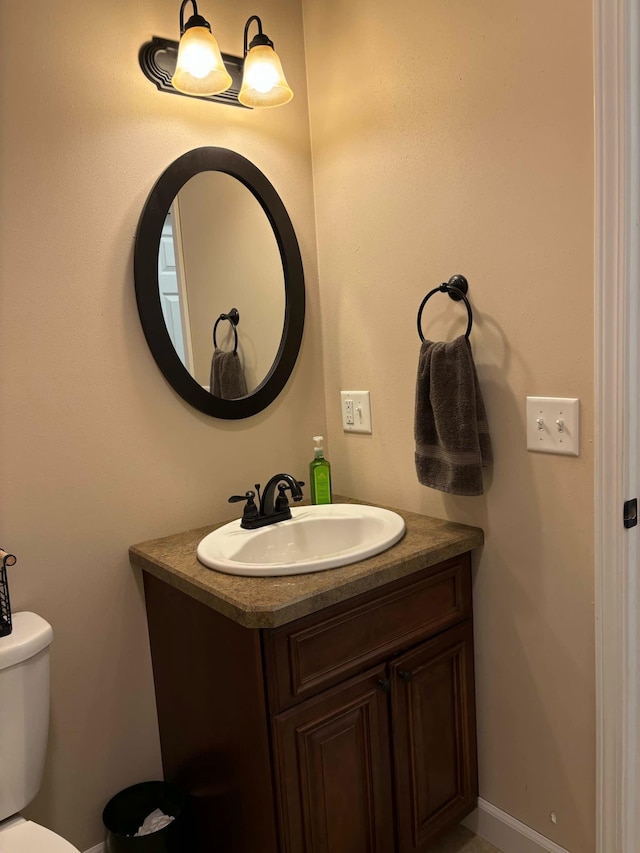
198 59
263 82
200 69
262 76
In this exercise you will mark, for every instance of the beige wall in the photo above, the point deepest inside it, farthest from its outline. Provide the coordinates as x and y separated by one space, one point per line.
456 137
96 450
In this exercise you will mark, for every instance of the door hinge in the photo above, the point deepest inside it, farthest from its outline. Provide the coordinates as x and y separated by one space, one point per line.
630 513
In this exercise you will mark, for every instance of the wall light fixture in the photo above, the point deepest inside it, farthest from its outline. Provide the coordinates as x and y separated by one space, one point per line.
199 66
196 67
263 80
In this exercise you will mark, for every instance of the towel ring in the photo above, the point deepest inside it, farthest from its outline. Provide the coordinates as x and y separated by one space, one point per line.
234 318
456 287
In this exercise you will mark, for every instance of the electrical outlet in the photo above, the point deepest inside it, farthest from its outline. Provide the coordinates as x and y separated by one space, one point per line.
356 411
553 425
348 412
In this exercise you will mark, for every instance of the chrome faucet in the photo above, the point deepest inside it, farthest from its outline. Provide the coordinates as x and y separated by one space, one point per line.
272 509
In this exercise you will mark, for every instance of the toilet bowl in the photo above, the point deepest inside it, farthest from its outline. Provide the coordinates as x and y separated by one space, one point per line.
18 835
24 711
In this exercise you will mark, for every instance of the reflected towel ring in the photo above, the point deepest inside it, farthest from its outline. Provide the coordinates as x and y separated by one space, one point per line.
234 318
456 287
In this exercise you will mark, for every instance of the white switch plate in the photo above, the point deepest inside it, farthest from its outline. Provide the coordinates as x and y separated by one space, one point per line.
553 425
356 411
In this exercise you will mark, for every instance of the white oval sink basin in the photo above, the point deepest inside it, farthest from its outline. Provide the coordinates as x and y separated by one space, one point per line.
313 539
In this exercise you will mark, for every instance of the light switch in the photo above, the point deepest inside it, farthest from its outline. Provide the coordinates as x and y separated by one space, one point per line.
553 425
356 411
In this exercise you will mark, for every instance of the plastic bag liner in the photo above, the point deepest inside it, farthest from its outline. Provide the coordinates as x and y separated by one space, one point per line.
124 814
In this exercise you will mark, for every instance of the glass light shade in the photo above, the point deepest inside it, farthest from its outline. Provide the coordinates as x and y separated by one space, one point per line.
199 67
263 80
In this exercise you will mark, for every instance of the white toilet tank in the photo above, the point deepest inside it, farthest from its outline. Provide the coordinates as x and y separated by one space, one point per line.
24 710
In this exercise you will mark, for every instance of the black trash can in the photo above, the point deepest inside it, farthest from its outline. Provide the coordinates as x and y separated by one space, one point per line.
125 813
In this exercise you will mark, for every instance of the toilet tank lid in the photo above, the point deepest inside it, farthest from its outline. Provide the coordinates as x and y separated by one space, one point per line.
30 634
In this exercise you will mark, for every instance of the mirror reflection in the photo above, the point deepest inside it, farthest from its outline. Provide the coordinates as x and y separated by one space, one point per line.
218 251
231 246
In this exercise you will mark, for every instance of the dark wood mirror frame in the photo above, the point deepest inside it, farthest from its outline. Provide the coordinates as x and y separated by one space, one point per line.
148 294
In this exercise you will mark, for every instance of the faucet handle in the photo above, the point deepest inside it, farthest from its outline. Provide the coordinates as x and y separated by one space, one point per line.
284 485
249 496
250 510
282 501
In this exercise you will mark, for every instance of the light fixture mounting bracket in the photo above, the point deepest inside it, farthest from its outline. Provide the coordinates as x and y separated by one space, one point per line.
158 62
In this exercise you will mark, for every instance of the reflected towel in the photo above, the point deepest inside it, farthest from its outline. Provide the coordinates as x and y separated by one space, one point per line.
451 430
227 375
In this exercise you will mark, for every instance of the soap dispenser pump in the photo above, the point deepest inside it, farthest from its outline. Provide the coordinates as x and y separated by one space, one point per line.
320 474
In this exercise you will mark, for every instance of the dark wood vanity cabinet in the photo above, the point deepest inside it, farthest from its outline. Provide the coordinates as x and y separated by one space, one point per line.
333 769
434 741
351 730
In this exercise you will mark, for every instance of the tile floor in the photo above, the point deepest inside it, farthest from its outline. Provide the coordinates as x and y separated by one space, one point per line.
461 840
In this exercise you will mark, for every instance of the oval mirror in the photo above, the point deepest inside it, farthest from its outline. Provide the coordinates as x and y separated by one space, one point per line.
219 283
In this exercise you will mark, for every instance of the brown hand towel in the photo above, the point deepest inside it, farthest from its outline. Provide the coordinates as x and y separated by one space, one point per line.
227 375
451 430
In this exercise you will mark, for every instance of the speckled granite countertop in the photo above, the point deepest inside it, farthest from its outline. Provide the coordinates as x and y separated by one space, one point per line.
272 601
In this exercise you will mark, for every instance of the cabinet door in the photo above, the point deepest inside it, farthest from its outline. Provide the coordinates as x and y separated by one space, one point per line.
434 737
333 770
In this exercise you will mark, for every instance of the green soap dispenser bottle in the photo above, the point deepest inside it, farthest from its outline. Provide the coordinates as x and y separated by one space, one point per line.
320 474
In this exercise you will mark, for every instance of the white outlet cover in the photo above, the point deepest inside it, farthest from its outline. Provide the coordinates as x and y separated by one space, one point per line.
553 425
361 411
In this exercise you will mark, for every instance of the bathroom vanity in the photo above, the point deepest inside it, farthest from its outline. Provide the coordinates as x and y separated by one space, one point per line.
324 712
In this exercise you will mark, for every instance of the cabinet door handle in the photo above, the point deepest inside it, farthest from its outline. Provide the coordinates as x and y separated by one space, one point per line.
385 684
404 675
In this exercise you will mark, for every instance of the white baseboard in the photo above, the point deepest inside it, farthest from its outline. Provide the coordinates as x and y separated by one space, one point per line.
505 832
495 826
